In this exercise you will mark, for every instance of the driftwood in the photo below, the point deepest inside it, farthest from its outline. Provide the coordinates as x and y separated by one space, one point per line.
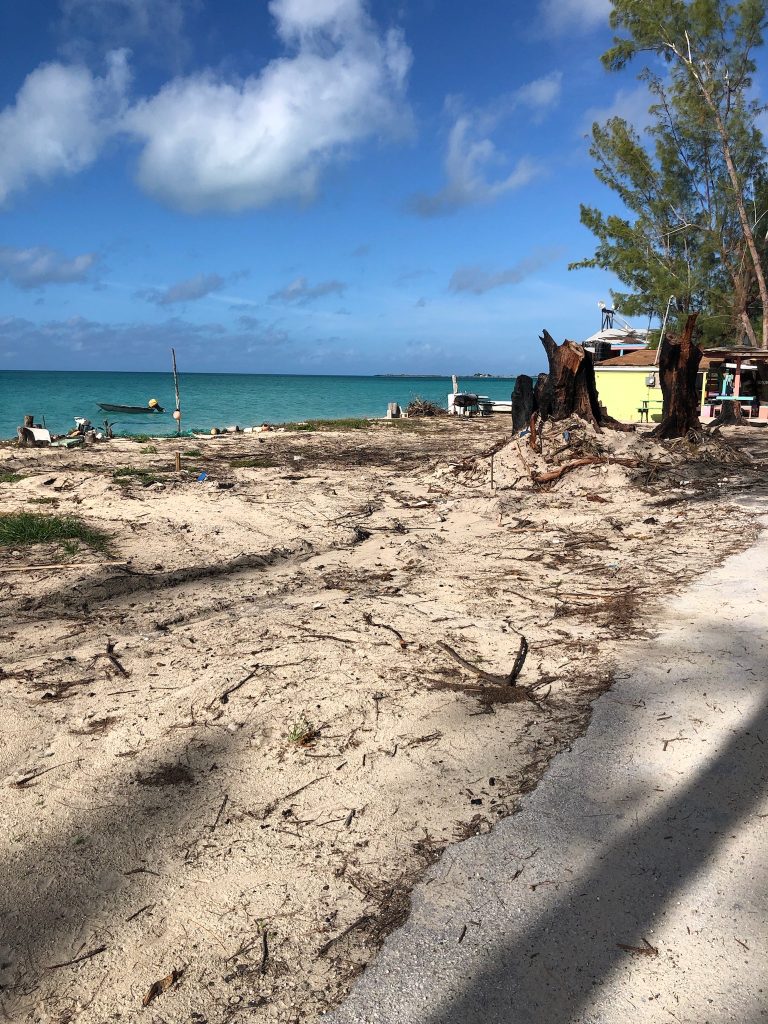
587 460
679 360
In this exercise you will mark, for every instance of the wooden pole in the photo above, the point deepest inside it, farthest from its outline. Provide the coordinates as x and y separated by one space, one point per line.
178 462
176 386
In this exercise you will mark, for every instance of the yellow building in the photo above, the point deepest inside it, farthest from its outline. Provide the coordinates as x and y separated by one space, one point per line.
628 386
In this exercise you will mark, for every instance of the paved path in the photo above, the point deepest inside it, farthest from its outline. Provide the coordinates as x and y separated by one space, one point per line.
650 833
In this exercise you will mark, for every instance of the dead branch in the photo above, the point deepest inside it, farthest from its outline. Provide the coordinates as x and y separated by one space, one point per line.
491 677
589 460
367 617
78 959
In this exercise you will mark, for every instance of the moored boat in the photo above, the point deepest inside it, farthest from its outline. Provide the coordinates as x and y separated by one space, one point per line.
131 410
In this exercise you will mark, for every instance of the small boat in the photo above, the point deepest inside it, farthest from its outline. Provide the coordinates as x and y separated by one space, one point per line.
130 410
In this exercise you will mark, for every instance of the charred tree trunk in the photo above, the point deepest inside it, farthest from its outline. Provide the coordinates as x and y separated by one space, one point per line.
570 388
523 402
679 360
541 396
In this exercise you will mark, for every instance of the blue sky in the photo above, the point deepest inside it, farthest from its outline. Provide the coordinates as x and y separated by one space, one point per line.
301 186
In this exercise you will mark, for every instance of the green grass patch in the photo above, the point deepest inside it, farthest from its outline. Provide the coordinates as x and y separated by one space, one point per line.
126 474
43 501
10 478
25 528
149 450
192 453
342 424
408 425
255 462
140 438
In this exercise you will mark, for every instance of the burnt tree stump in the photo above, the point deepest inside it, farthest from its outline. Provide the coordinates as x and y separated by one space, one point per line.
541 395
570 386
679 360
523 402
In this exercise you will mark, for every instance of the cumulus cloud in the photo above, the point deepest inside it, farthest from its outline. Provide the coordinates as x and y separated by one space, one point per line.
300 293
59 122
478 281
471 152
191 288
560 16
39 266
267 138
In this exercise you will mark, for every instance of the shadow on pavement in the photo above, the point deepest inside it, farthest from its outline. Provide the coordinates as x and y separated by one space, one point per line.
549 972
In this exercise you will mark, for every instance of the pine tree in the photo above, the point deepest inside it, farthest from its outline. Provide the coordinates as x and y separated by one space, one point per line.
691 194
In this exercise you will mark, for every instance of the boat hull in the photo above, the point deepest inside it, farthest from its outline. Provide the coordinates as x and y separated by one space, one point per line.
130 410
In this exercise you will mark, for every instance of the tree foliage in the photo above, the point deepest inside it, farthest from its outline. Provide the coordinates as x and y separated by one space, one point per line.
692 189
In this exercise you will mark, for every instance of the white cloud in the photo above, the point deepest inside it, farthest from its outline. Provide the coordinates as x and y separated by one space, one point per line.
630 104
471 152
191 288
541 94
560 16
60 120
301 293
466 162
479 281
267 138
39 266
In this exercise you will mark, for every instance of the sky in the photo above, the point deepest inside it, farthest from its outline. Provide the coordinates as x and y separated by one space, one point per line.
300 186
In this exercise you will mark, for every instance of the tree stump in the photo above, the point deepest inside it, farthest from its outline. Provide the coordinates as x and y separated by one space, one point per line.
679 360
523 402
570 386
540 395
730 415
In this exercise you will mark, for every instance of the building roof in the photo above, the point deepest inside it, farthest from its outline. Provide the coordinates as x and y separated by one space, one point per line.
643 357
742 353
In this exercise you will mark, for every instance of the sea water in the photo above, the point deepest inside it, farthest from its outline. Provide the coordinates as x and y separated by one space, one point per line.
214 399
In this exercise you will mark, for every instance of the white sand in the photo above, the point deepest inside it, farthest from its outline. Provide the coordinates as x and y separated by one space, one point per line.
177 831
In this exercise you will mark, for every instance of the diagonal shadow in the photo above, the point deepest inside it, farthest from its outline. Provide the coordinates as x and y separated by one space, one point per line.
548 973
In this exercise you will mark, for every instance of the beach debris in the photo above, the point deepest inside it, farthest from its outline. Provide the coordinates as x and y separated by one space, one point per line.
78 959
394 411
645 950
491 677
113 659
202 478
157 988
224 697
33 776
224 803
419 406
588 460
367 617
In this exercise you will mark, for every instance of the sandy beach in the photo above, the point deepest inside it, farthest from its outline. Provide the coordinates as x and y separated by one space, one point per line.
234 743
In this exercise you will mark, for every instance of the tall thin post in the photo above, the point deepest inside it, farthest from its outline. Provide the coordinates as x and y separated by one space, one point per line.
177 413
663 329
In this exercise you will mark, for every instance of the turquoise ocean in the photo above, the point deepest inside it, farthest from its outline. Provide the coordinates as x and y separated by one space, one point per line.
214 399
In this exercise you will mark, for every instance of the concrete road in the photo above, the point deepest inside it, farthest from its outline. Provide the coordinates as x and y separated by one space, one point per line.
633 885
